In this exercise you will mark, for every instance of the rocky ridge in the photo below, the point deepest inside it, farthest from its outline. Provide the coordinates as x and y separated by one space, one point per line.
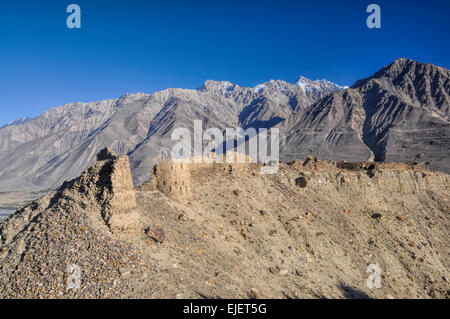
310 230
400 114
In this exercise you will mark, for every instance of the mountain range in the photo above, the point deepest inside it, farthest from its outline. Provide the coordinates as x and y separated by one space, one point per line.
401 113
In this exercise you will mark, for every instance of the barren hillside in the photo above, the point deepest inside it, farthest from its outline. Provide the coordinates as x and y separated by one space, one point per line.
400 114
225 230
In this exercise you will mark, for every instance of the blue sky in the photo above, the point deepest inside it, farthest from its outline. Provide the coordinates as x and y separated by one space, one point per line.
146 46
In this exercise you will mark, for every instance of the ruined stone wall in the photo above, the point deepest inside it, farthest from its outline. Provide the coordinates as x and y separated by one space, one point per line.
124 196
124 217
174 179
108 185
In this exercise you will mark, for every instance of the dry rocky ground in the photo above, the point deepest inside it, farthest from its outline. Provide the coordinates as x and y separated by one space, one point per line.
227 231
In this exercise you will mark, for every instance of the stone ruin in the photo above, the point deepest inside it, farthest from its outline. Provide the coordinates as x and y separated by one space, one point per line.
174 178
115 191
124 216
108 185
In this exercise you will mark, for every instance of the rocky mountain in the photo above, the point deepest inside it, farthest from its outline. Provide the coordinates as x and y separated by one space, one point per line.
319 87
400 114
59 144
22 120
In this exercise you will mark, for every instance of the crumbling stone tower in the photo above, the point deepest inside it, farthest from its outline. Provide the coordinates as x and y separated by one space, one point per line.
120 209
174 179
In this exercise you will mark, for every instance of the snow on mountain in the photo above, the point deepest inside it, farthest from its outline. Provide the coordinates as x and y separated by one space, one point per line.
22 120
400 114
313 86
259 88
222 87
310 88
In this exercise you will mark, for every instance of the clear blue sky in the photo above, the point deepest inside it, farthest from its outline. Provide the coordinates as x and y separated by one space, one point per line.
131 46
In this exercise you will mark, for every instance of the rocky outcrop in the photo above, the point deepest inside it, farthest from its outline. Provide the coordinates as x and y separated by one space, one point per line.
105 190
85 228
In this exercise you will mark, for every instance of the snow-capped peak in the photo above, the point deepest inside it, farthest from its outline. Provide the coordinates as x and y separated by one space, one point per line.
259 88
20 121
310 86
132 96
223 87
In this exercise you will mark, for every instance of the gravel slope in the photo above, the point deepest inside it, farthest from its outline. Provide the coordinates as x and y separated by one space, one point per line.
309 231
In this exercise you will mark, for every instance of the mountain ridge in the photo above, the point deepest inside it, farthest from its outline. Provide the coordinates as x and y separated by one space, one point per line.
67 137
374 119
401 113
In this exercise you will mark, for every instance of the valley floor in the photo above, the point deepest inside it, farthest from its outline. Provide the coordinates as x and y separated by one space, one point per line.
11 201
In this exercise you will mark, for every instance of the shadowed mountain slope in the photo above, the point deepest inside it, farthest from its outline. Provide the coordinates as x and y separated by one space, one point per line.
401 113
